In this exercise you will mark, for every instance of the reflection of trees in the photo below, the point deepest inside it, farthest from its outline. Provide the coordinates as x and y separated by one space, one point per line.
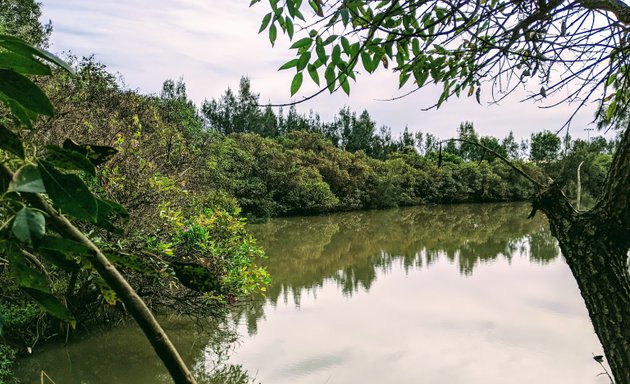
123 355
350 248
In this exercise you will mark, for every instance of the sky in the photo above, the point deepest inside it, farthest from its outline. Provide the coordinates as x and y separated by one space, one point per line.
212 43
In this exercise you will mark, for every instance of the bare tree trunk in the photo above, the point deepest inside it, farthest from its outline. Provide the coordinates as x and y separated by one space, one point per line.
595 245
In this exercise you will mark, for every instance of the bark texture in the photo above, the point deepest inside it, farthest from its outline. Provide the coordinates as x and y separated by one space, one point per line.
595 245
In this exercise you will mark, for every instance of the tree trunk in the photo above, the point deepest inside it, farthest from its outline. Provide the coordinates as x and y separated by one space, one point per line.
595 245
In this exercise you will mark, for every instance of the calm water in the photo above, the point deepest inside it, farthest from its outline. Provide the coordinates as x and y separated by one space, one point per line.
446 294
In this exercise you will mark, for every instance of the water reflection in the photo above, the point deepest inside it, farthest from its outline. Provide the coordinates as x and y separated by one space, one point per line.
465 294
351 248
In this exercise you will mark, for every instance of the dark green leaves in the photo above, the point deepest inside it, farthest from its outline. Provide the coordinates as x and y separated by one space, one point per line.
29 225
22 64
18 46
27 179
304 42
20 89
51 304
69 159
196 277
97 154
34 283
106 210
68 193
10 142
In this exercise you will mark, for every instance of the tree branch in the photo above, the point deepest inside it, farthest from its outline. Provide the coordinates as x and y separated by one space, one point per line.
134 304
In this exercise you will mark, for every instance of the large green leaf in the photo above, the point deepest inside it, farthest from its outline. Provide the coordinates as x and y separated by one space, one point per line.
64 245
20 89
61 252
10 142
51 304
27 179
29 225
68 192
20 114
108 293
25 275
23 64
106 209
18 46
97 154
69 159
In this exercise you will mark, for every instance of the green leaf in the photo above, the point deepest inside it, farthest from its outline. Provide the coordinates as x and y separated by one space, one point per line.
97 154
20 114
25 275
196 277
69 159
367 62
27 179
296 83
29 225
108 293
105 211
330 39
321 52
68 192
288 65
25 92
345 85
312 71
330 77
336 54
303 60
403 77
10 142
346 45
59 259
51 305
64 245
272 34
16 45
289 27
303 42
23 64
265 22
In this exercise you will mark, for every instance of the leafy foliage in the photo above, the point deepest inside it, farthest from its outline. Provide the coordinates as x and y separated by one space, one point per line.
461 46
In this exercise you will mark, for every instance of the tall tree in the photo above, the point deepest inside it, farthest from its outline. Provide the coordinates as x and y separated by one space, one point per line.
21 18
575 48
544 147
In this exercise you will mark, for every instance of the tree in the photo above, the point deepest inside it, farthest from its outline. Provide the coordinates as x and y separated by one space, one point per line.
43 206
577 49
20 18
544 147
510 146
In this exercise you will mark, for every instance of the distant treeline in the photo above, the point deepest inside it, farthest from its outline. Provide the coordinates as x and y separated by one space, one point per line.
232 153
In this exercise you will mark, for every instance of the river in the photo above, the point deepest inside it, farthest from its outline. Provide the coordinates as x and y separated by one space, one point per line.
432 294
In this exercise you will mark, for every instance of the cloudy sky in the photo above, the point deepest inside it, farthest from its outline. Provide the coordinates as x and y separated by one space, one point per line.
212 43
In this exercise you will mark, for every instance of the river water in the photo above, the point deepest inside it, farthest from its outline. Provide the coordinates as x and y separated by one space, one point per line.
434 294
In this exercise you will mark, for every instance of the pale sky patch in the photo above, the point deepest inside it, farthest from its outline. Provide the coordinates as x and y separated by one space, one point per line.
211 44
